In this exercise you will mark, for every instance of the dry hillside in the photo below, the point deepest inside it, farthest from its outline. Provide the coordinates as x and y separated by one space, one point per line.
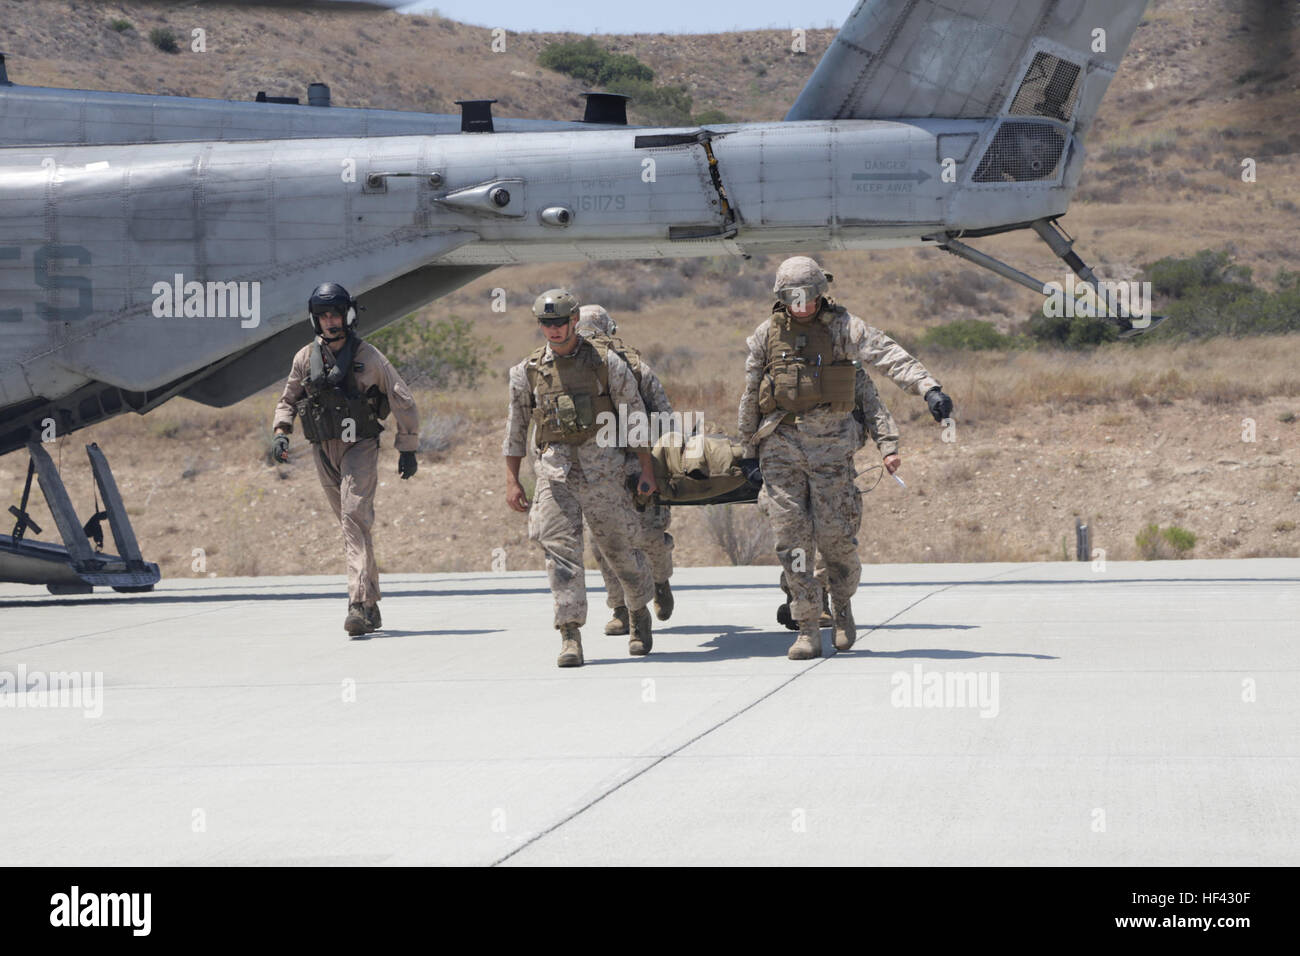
1123 436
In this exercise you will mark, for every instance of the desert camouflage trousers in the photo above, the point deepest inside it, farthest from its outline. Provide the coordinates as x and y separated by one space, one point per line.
809 498
821 574
652 540
555 521
349 473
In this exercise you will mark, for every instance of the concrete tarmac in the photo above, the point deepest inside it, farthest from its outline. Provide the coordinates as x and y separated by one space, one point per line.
1144 714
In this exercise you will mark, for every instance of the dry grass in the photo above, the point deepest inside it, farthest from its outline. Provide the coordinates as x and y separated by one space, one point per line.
1164 179
745 538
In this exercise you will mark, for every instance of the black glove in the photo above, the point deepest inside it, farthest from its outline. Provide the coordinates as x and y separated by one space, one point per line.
749 468
406 464
940 404
280 448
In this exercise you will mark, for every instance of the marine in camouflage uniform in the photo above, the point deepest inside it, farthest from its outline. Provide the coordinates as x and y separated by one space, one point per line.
796 417
340 409
874 422
562 389
653 539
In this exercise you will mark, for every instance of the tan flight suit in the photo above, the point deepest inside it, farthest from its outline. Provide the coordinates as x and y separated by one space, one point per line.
807 459
349 471
577 481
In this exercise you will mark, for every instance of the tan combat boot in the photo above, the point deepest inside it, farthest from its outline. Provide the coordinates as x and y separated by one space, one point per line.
374 621
808 644
355 622
570 646
642 640
845 632
618 623
663 601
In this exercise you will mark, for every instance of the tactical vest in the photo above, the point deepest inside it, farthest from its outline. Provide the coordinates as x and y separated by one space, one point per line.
568 392
327 408
801 370
628 354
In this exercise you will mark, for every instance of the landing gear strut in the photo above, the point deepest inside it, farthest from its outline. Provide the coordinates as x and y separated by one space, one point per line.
1063 246
74 568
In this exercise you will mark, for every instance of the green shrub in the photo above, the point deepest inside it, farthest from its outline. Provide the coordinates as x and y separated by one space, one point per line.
1079 332
973 334
1177 278
622 73
661 105
1149 544
437 354
1206 295
712 117
1202 295
164 39
1180 539
1157 544
585 60
118 25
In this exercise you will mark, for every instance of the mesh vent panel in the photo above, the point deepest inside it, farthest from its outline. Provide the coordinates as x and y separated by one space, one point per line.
1048 89
1021 152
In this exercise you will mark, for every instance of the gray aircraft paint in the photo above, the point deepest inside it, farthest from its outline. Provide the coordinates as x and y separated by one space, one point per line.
104 195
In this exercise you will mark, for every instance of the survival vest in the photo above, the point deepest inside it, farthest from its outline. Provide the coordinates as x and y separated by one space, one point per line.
567 393
703 470
332 399
801 372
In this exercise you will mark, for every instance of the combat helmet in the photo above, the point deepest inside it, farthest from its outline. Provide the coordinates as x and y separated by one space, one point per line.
555 304
799 281
594 320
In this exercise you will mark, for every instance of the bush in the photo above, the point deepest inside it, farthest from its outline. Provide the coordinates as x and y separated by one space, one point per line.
437 354
712 117
973 334
1157 544
585 60
1179 278
662 105
1070 333
164 39
1180 539
1202 295
1207 295
119 25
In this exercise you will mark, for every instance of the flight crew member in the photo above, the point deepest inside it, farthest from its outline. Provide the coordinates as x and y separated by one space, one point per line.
653 540
562 389
341 388
796 417
874 422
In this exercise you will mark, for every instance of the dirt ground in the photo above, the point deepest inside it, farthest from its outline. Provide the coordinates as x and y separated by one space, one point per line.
998 492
